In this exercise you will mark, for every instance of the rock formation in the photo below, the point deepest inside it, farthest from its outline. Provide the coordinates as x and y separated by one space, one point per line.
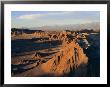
66 60
69 58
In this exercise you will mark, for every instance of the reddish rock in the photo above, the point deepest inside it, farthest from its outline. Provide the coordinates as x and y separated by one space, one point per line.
68 58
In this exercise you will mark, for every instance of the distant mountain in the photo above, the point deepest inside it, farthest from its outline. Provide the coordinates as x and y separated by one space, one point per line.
89 26
75 27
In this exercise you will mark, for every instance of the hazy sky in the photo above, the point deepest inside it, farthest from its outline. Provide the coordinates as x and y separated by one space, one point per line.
49 18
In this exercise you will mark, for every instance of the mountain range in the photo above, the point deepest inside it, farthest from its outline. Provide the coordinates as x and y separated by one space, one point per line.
75 27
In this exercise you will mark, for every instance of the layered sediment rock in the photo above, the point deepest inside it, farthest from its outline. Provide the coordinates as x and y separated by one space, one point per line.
66 60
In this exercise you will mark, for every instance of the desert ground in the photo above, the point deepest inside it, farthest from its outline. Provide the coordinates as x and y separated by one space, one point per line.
37 53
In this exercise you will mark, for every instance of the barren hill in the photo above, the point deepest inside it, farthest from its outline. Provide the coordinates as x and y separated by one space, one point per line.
65 53
66 60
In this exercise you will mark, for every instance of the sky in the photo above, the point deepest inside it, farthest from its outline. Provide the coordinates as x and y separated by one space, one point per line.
30 19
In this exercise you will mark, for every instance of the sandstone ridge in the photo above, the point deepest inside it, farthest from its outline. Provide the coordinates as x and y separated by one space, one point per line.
66 60
62 63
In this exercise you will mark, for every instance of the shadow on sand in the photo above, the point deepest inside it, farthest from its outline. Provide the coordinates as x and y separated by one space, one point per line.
27 45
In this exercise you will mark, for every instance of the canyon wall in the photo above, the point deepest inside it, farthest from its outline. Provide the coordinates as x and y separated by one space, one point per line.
70 57
70 60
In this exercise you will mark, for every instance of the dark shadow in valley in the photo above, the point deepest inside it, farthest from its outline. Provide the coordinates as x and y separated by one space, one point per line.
27 45
93 53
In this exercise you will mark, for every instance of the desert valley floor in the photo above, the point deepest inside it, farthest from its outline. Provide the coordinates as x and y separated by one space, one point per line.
55 53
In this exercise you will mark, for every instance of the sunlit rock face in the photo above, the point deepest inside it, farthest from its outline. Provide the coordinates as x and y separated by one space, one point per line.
66 54
69 58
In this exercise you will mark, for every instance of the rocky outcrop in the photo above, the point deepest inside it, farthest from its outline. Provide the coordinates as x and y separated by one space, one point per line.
70 60
70 57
